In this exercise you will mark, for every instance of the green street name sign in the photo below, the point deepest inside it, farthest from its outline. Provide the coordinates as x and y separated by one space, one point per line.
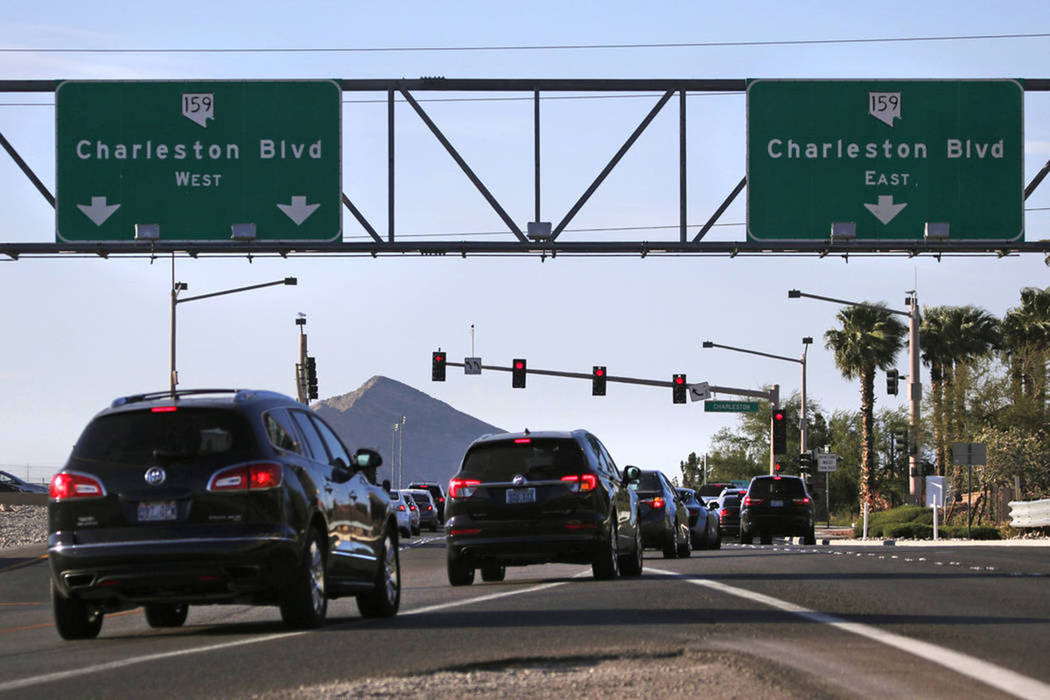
191 160
887 156
731 406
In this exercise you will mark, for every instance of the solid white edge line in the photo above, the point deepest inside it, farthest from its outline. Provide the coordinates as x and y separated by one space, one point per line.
988 673
113 665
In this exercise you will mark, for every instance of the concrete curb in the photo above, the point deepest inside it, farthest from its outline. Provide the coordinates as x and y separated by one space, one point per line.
943 542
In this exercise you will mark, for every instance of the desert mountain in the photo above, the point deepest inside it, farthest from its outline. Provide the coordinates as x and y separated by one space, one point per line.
435 434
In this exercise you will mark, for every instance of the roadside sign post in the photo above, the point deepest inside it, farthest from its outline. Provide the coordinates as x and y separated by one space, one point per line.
827 463
198 160
969 454
885 159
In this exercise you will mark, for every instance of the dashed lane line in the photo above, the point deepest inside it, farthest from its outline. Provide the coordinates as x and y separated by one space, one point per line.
983 671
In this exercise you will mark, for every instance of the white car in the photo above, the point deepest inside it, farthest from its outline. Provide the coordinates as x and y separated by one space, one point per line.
413 511
403 512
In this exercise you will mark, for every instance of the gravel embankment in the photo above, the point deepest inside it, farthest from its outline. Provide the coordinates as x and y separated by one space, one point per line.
21 526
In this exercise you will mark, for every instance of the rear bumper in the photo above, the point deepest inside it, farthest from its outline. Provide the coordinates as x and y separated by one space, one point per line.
518 543
656 532
777 523
192 570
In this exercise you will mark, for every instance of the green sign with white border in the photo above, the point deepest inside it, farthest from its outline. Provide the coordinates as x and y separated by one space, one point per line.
731 406
192 159
889 156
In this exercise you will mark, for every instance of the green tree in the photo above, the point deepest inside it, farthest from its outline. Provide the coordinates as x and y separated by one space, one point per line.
692 472
870 338
1026 345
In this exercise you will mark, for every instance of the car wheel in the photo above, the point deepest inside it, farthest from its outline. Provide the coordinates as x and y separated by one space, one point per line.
493 572
810 537
671 545
746 537
385 597
415 532
631 564
605 564
166 614
305 603
460 571
716 542
74 619
766 538
685 549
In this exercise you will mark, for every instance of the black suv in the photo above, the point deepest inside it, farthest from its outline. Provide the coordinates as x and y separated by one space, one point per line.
437 494
663 515
532 498
776 505
217 496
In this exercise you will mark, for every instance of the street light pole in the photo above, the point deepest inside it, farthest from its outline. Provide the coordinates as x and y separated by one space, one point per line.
401 451
914 380
393 453
176 287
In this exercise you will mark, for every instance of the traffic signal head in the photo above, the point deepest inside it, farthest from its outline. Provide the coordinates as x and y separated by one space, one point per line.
778 467
517 374
678 388
437 367
598 375
311 378
779 431
892 377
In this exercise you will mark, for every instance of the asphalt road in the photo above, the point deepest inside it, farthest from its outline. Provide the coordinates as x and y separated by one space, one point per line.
793 621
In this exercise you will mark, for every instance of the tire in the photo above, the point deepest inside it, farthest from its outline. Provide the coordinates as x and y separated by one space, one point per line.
493 572
606 561
810 537
671 545
460 570
385 597
631 564
404 532
766 538
685 549
716 536
74 619
415 532
305 602
166 614
747 537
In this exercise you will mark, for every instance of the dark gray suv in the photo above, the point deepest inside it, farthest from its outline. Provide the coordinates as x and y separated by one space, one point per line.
532 498
776 505
217 496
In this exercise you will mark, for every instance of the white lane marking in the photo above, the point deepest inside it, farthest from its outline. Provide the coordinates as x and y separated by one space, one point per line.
123 663
983 671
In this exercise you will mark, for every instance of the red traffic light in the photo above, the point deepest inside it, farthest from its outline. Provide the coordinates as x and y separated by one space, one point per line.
439 358
679 379
519 365
778 415
599 372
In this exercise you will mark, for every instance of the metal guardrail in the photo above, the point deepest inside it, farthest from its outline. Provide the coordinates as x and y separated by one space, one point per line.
1030 513
24 499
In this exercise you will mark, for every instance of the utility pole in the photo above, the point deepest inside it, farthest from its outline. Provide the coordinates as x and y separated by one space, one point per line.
300 367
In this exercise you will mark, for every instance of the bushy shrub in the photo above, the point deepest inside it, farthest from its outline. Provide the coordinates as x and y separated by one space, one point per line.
882 523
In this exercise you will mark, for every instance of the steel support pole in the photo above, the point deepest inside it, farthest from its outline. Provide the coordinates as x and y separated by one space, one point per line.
804 426
301 382
914 414
172 376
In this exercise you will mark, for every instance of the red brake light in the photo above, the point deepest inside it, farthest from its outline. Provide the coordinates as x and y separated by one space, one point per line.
801 501
581 482
658 502
164 409
462 488
242 477
74 485
401 507
413 507
522 441
749 501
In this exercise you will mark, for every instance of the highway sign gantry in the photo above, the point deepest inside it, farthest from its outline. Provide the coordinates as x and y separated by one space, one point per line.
189 160
885 157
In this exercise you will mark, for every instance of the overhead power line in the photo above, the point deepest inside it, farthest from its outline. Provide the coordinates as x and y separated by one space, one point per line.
538 47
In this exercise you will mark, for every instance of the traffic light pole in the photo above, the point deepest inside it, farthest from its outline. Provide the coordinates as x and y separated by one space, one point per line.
300 368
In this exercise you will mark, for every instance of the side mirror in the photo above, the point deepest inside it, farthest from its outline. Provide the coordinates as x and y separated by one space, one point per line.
386 485
366 458
631 473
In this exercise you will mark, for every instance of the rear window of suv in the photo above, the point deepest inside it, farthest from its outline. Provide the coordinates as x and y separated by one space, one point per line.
535 460
140 437
764 488
650 481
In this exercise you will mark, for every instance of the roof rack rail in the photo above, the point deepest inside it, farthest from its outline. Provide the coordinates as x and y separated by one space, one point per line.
177 394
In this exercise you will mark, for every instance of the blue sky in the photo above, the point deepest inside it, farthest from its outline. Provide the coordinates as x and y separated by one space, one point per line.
79 332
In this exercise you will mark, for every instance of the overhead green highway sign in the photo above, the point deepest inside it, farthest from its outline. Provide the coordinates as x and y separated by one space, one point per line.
731 406
881 159
198 160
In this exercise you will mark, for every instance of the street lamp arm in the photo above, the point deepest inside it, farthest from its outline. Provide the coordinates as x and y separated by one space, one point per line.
238 289
752 352
794 294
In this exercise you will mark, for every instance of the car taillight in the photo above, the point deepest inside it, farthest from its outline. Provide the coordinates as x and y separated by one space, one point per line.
255 476
654 503
801 501
749 501
430 507
412 507
401 507
65 485
581 482
723 513
462 488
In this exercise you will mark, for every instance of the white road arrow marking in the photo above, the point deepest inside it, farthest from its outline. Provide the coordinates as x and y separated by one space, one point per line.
885 210
298 211
98 211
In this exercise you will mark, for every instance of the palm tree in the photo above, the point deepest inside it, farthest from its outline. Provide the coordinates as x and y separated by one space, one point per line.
1026 344
976 333
869 339
936 354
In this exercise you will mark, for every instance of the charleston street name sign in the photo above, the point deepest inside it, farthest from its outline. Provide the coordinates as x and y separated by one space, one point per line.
885 157
198 160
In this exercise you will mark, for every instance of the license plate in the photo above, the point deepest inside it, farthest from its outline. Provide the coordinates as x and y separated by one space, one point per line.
157 510
776 504
521 495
